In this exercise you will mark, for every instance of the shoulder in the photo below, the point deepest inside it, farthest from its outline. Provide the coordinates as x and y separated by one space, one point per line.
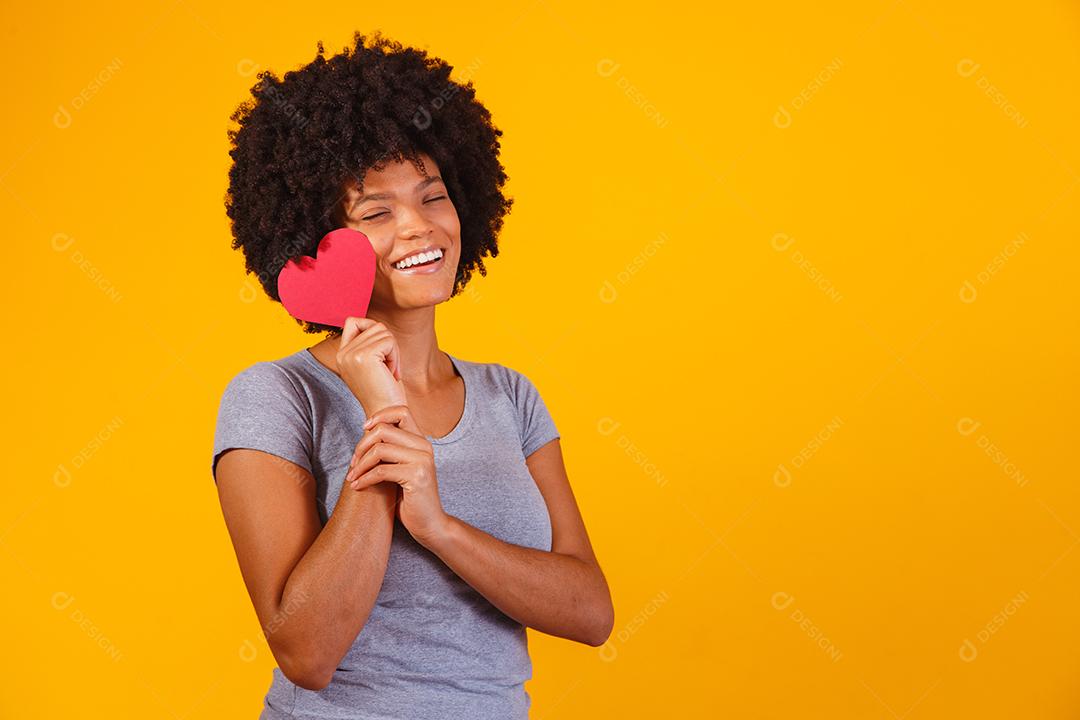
264 376
515 384
264 408
268 384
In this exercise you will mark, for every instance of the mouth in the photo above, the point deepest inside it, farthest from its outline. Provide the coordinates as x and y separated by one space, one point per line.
427 261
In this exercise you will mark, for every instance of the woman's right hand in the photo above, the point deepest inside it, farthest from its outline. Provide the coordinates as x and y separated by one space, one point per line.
370 364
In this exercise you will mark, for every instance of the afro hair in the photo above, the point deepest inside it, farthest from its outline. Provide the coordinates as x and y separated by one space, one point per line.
303 139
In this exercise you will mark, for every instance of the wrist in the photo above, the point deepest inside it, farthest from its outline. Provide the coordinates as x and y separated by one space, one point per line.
443 536
374 405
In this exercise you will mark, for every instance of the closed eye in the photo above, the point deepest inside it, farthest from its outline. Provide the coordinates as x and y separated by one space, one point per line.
376 215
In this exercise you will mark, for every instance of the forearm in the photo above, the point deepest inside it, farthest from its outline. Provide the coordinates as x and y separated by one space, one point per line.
331 591
554 593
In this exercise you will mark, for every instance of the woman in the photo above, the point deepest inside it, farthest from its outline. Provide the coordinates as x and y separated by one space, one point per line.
399 515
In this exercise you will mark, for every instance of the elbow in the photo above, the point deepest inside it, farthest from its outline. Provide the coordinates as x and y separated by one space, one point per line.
601 622
307 678
304 669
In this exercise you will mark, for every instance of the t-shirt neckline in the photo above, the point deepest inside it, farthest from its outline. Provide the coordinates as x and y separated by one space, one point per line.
463 422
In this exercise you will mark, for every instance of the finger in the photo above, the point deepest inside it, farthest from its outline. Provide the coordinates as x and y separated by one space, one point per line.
388 346
384 453
378 474
394 415
376 431
394 435
381 341
353 327
369 336
402 420
391 414
397 473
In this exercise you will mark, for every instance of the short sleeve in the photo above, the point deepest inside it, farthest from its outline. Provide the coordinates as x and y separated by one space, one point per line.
262 409
535 422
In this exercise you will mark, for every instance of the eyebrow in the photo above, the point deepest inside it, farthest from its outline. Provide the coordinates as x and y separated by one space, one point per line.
386 196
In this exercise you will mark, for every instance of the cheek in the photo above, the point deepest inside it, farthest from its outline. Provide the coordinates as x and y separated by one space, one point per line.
379 242
382 249
382 256
448 217
451 226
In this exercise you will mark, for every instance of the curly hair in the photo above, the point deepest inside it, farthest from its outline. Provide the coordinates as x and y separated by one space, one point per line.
304 138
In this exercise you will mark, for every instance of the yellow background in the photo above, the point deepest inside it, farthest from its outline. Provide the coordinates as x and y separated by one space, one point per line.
798 284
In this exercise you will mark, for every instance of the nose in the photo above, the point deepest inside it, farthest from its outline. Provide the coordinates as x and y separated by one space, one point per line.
414 224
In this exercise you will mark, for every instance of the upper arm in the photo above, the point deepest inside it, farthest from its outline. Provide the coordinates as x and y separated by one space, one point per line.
269 508
568 534
542 449
535 424
262 467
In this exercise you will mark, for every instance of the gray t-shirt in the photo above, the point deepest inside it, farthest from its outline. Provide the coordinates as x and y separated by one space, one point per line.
432 646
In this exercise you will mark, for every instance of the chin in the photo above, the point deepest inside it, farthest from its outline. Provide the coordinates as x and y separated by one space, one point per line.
427 299
439 297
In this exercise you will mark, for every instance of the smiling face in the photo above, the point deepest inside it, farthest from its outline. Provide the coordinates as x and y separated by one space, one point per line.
404 212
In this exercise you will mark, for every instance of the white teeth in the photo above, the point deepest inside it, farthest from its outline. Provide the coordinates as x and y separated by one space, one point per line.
419 258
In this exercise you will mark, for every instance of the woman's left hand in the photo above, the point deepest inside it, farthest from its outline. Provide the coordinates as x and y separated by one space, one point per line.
394 449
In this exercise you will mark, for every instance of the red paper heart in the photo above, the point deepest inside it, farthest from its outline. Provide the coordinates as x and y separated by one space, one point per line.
333 285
